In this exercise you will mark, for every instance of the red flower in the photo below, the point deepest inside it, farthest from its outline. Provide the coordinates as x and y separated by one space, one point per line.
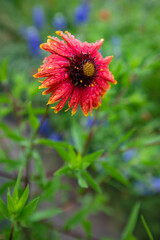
74 70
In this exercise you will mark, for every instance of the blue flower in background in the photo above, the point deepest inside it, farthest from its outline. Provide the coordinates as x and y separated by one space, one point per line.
55 137
116 43
142 189
33 40
90 122
59 22
150 188
38 16
129 154
155 184
82 12
45 128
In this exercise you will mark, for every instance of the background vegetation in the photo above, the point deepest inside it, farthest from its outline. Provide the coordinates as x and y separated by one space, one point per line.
64 177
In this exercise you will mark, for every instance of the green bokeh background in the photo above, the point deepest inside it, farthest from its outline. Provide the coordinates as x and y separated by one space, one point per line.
131 35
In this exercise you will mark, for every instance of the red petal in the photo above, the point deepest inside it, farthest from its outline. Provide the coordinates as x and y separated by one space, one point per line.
102 83
85 101
49 72
65 97
54 80
94 93
54 45
59 92
75 44
74 100
106 74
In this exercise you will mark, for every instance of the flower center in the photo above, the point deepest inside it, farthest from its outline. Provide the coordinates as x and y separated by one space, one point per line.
82 70
88 69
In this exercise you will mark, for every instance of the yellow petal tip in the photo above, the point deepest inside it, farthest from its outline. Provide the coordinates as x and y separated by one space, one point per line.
58 32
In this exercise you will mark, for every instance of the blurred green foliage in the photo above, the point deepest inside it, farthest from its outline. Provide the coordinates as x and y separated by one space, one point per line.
107 164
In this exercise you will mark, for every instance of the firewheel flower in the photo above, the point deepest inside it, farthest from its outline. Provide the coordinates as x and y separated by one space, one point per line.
74 71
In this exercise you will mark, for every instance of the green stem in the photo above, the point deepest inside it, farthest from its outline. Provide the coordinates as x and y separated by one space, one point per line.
12 232
90 135
30 148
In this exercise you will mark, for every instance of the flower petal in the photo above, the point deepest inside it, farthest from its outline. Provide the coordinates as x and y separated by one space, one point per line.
54 45
106 74
85 101
62 102
59 92
54 80
75 44
74 100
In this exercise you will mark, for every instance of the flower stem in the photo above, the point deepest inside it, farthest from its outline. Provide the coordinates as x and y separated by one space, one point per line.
90 135
31 144
11 232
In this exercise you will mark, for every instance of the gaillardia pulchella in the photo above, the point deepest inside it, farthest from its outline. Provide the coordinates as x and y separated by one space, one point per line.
74 71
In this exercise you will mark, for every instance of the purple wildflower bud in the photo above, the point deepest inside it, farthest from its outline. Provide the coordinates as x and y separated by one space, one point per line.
129 154
116 42
45 128
33 41
55 137
82 13
143 188
59 22
155 184
89 122
38 17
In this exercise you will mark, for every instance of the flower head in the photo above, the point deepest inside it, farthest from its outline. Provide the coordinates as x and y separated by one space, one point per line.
74 70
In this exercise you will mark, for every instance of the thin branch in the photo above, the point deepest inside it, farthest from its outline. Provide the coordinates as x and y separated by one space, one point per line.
90 135
11 233
29 153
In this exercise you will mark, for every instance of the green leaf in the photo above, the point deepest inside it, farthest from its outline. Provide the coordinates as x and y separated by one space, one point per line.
3 70
50 143
124 138
72 154
147 228
87 160
10 164
63 170
63 153
28 210
10 203
16 188
3 209
131 222
23 198
77 135
82 183
115 173
11 133
45 214
91 181
87 227
32 118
